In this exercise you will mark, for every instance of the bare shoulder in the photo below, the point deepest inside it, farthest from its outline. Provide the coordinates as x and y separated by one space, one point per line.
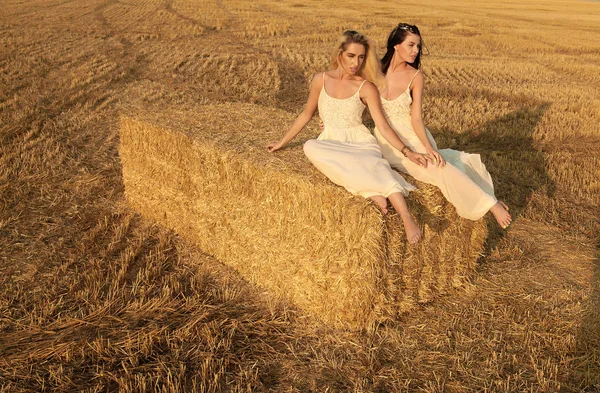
318 77
368 85
418 79
316 82
368 88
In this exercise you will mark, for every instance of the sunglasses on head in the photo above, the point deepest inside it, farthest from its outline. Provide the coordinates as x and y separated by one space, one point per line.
407 27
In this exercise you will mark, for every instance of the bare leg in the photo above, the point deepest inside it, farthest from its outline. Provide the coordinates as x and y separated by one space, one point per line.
413 231
381 203
500 212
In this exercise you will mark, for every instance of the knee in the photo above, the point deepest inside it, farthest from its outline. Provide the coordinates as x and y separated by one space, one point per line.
310 147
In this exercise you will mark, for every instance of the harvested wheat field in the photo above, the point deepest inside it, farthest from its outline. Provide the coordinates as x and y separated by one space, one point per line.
95 296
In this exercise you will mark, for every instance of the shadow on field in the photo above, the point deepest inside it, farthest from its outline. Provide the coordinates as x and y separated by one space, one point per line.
516 165
137 308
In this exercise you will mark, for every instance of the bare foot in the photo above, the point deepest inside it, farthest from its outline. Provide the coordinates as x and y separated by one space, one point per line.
413 231
381 203
501 214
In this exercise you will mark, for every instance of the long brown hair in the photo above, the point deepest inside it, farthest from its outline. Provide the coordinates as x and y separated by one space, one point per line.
397 36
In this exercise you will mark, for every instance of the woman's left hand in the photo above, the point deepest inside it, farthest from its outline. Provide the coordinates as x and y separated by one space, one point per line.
417 158
436 157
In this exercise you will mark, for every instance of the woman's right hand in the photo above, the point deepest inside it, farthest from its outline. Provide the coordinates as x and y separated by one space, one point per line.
271 147
435 156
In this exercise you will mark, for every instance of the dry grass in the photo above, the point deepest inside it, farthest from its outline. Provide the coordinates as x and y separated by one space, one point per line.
92 298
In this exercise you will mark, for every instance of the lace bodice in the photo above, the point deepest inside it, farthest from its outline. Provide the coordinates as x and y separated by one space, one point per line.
340 113
342 118
399 107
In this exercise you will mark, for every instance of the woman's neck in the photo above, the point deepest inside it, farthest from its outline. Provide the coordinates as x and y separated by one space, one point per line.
343 74
397 64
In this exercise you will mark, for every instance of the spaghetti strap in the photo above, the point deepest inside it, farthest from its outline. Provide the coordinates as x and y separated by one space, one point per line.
413 78
360 87
323 80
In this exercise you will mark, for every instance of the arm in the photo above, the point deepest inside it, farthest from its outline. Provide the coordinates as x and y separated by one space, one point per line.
370 95
416 115
304 117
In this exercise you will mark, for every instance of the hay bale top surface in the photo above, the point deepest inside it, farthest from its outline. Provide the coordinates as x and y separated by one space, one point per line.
239 128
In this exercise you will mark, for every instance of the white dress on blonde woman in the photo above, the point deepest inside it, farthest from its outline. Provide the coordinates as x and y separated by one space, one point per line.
464 181
347 153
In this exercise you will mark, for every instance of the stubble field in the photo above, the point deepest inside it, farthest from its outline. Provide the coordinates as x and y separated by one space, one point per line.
95 298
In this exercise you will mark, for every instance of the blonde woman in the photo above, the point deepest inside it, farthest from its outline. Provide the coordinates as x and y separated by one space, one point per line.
462 177
346 152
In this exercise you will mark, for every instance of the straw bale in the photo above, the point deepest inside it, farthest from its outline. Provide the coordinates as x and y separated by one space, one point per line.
205 173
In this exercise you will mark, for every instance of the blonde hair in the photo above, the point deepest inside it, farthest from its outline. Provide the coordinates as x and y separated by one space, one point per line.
370 68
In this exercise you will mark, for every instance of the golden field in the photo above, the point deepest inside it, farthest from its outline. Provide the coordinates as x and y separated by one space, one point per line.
95 298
